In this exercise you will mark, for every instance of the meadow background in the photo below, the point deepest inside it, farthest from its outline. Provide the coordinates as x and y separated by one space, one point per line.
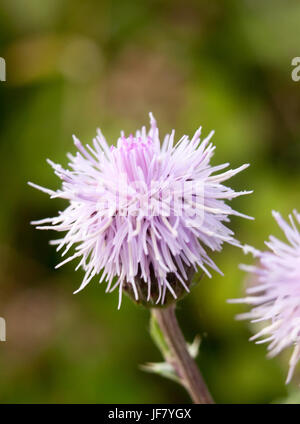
73 66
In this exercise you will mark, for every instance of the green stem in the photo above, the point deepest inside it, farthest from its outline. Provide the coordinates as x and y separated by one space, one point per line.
179 356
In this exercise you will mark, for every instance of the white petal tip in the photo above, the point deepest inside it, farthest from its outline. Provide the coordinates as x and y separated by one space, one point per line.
76 140
233 301
152 119
78 290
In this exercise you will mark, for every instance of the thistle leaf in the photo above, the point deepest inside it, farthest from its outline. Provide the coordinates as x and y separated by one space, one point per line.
164 369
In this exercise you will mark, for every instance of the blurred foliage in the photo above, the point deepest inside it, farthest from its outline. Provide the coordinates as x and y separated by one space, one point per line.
73 66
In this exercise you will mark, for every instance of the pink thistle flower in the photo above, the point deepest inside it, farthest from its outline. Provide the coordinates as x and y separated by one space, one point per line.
143 212
276 296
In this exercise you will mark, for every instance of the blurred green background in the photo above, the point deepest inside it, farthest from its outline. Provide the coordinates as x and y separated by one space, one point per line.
73 66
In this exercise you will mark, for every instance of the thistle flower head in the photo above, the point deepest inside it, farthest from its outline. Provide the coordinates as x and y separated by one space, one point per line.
142 213
276 295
